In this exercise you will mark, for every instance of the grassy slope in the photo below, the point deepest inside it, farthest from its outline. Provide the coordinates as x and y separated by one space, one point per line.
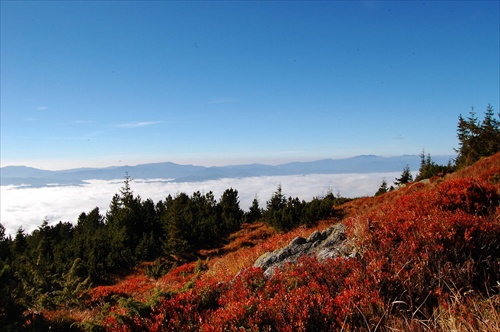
405 293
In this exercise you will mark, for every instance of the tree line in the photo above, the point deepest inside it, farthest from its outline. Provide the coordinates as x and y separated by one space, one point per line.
476 139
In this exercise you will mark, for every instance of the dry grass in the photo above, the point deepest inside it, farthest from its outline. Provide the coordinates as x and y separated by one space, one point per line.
248 236
250 243
469 312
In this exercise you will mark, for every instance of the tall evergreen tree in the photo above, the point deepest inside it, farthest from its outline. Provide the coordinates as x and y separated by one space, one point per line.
10 308
73 284
382 189
490 133
175 223
20 244
273 214
4 244
405 177
428 168
255 212
477 139
231 213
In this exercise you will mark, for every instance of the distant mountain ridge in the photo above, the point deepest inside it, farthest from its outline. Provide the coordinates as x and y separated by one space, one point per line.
33 177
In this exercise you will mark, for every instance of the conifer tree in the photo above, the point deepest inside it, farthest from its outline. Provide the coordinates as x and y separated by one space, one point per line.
10 308
231 213
273 214
175 222
73 285
255 212
477 139
20 243
405 177
490 133
4 243
382 189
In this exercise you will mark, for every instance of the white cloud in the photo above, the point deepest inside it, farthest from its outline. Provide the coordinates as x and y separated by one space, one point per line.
136 124
27 207
42 108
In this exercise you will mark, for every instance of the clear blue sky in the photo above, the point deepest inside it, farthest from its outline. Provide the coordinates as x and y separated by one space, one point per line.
211 83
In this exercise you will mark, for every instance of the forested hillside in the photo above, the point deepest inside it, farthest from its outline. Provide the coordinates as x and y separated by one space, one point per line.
57 265
428 258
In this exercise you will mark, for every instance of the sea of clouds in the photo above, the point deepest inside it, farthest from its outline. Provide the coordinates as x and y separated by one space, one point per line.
27 207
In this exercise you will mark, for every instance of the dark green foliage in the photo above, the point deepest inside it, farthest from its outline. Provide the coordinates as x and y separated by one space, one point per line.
74 284
321 208
290 216
274 213
382 189
405 177
206 224
199 221
147 247
10 309
477 139
158 269
91 244
135 308
39 265
231 214
55 264
285 214
254 213
20 244
200 267
4 244
124 227
133 228
428 168
175 222
316 208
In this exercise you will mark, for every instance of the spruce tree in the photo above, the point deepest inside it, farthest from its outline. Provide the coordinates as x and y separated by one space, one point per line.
274 212
477 139
382 189
405 178
255 212
231 213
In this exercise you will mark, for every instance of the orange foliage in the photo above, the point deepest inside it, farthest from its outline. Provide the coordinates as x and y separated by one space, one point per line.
418 246
242 256
138 287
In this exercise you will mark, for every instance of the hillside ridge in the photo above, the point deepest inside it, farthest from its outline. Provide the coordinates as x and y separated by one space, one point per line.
28 176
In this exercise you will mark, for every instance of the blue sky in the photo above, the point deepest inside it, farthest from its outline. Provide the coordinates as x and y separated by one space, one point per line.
86 84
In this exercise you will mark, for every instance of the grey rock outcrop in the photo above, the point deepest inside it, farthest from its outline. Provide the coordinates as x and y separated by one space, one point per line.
330 243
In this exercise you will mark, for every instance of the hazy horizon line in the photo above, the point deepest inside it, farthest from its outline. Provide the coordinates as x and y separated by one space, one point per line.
246 161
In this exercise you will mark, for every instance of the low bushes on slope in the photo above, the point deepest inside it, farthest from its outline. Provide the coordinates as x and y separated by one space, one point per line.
417 251
429 255
426 245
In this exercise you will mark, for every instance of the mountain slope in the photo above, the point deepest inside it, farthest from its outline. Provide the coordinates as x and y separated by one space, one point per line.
429 259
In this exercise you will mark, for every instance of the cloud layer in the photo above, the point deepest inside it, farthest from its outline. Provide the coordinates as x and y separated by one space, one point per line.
28 207
136 124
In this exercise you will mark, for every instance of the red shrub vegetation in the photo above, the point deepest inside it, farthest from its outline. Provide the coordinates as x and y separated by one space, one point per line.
426 244
418 246
138 287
